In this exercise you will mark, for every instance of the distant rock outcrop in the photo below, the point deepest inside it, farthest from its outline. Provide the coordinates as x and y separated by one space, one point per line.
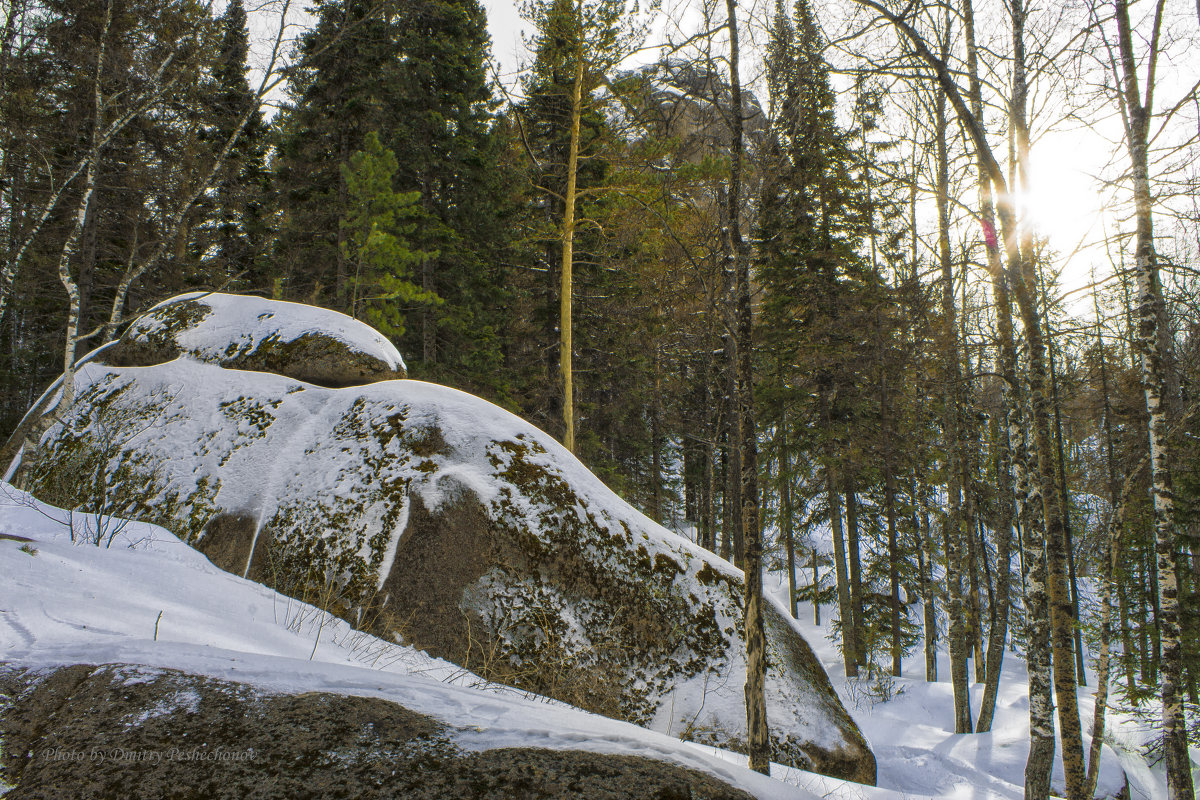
423 513
125 731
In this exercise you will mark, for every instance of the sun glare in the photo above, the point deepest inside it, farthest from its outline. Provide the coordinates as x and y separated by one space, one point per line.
1064 204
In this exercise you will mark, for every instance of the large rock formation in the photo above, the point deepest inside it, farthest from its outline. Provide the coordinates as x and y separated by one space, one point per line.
426 514
127 731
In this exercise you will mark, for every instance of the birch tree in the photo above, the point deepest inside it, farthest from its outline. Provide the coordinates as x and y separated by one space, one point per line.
1019 266
1137 82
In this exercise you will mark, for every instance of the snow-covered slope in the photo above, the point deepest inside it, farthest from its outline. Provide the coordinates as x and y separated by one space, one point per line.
148 599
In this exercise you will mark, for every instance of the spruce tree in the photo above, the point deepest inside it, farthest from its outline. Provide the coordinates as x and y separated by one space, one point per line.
451 147
413 73
342 88
376 229
820 294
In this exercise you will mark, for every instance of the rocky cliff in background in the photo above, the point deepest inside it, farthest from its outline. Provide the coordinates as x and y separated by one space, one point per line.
424 514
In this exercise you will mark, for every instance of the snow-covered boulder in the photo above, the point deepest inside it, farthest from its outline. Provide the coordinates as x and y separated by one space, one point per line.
310 344
431 516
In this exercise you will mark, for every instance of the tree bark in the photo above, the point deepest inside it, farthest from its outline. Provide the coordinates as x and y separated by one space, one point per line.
1065 499
565 327
889 501
1137 120
1025 288
816 589
841 574
759 744
925 558
951 426
853 549
785 499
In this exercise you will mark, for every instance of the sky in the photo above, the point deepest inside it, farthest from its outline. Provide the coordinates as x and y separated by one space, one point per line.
505 25
1065 202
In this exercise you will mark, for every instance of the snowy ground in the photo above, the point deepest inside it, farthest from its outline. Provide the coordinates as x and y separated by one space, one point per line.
918 753
149 599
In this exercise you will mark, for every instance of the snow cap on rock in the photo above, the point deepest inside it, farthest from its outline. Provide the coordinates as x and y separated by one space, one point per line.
311 344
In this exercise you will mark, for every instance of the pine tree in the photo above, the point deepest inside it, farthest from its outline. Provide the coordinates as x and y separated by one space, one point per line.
342 88
577 46
450 146
819 292
376 228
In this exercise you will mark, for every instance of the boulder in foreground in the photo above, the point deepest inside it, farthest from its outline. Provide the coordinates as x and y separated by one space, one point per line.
435 518
130 731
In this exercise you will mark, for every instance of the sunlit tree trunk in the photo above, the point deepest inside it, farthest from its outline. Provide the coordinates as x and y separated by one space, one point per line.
1138 112
1006 365
566 344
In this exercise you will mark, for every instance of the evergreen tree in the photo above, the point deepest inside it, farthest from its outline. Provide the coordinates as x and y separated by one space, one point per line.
414 74
342 88
822 300
240 224
376 227
451 147
577 45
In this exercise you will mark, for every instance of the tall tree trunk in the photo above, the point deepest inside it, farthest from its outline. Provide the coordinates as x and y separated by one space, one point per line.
925 558
850 492
1058 593
708 514
1108 581
1138 116
893 568
759 745
974 551
656 464
952 430
889 501
1020 271
841 573
565 327
732 548
70 246
1065 499
1114 500
785 500
998 633
816 588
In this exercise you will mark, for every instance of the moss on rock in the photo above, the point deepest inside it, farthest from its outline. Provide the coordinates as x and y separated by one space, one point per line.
125 732
484 547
